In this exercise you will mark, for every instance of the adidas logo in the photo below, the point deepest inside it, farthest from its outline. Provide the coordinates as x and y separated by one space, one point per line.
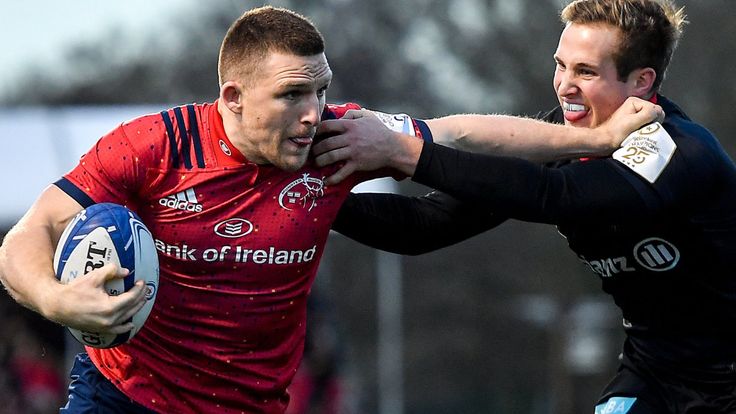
183 200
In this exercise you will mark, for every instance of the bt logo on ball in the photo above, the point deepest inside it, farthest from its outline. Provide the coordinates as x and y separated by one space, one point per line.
96 257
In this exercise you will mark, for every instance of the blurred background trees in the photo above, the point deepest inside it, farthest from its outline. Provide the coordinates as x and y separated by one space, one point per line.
508 322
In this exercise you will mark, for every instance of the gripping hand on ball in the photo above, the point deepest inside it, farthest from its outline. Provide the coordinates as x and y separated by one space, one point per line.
84 303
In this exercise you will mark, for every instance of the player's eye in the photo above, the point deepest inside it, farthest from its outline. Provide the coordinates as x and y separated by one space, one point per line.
586 72
290 95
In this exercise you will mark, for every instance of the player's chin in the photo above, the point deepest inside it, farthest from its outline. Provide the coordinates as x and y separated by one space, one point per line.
292 162
581 123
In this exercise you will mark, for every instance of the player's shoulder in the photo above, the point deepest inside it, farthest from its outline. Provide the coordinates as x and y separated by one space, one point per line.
336 111
693 140
156 125
174 133
679 125
698 155
144 130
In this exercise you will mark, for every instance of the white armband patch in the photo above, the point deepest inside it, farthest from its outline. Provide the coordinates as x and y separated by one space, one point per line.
397 122
647 151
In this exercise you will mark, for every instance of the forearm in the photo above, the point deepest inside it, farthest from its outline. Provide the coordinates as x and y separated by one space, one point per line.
26 255
584 191
405 153
411 225
26 268
519 137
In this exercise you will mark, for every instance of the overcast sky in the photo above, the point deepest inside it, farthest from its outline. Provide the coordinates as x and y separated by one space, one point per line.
37 31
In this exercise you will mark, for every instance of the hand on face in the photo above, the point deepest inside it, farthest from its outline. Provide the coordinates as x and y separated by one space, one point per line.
633 114
359 139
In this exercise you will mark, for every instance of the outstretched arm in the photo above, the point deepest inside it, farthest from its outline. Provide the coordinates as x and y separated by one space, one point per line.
540 141
412 225
365 144
26 271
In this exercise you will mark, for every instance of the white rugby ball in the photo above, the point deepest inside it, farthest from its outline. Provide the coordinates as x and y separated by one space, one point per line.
109 233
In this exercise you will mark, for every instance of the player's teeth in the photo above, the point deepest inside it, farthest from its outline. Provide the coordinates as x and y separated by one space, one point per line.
574 107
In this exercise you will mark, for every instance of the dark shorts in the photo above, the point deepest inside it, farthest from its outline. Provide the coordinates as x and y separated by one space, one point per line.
91 393
639 389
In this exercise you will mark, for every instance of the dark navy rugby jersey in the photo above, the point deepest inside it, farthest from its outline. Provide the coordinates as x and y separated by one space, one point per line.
662 249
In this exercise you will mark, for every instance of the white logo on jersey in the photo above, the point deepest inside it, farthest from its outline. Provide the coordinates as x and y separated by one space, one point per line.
225 148
609 266
233 228
238 254
183 200
302 192
397 122
656 254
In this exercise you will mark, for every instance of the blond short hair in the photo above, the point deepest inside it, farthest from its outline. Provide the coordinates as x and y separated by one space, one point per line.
650 30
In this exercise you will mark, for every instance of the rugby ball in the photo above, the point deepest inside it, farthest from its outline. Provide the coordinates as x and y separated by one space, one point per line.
109 233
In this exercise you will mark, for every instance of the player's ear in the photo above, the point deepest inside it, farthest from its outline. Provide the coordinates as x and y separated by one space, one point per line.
643 80
231 94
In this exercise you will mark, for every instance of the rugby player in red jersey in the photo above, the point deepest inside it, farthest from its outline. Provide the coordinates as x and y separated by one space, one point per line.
240 216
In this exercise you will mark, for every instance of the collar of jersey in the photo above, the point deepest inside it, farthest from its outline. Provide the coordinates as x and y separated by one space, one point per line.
218 134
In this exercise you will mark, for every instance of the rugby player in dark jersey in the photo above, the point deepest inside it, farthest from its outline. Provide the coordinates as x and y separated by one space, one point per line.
656 221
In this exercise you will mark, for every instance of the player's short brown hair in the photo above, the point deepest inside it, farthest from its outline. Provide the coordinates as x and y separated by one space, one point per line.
650 30
261 31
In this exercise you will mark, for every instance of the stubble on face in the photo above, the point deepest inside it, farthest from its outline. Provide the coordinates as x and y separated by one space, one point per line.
285 102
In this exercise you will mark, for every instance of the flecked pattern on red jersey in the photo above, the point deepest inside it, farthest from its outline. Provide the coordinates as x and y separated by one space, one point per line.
239 246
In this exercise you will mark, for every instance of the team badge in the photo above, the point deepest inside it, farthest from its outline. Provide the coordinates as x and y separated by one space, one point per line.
302 193
647 151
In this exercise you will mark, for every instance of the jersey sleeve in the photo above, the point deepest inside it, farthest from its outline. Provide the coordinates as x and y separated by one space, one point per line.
594 190
528 191
397 122
412 225
111 171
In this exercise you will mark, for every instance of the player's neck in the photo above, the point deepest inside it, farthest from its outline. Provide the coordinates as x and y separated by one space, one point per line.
231 125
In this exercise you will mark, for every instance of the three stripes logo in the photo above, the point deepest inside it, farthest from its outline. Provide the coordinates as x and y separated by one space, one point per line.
656 254
184 137
183 200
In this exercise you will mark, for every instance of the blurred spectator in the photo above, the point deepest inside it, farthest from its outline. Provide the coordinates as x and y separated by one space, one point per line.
31 381
319 386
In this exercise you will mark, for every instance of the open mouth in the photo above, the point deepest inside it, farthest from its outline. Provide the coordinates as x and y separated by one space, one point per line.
302 141
574 112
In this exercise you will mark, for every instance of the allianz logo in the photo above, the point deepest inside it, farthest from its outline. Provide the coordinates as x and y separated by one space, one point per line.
653 254
656 254
183 200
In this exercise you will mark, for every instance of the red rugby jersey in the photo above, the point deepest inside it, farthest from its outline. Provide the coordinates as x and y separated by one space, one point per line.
239 245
